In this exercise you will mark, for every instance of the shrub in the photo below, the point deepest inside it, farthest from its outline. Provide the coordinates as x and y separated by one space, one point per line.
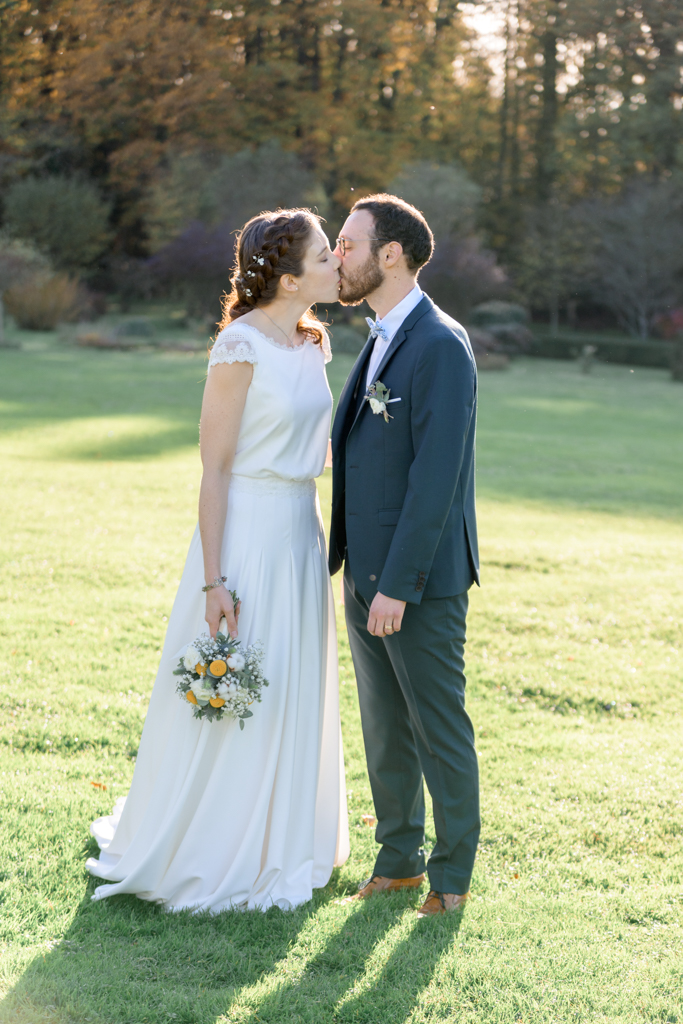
346 339
487 350
460 274
496 312
19 261
506 322
65 217
670 324
196 266
44 302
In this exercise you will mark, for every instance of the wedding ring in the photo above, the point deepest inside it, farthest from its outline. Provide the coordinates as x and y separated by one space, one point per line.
388 629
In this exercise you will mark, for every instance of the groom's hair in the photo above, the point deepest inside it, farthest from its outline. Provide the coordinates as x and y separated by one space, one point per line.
398 221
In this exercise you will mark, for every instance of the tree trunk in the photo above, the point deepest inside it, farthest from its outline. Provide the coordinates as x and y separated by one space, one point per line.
571 313
504 113
554 313
545 138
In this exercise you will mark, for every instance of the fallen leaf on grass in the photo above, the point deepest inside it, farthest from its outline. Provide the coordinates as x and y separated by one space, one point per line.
369 819
98 785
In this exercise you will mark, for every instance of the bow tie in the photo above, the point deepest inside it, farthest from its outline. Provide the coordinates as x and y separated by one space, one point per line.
376 329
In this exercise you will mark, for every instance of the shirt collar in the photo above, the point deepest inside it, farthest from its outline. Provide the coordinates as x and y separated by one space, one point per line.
395 317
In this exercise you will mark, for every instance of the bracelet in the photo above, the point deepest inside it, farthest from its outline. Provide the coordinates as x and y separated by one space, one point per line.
217 582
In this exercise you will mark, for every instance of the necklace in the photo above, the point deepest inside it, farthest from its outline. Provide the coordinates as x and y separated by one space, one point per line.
289 340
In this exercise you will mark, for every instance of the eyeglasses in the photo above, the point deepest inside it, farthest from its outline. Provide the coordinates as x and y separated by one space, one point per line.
342 242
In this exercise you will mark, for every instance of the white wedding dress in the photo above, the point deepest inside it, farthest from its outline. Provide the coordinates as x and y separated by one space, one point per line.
217 817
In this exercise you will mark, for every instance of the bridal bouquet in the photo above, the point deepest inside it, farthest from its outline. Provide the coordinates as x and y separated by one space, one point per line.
220 679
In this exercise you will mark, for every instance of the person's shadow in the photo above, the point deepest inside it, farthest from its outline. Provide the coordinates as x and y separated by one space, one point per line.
365 971
125 961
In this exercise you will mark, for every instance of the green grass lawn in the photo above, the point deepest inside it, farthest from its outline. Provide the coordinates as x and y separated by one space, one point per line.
574 687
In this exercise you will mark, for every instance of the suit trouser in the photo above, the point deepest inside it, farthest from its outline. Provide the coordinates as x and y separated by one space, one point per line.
411 690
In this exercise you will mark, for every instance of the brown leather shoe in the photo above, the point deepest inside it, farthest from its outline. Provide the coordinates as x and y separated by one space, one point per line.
378 883
441 903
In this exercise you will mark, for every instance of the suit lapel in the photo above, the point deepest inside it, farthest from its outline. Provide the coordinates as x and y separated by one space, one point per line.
349 391
423 305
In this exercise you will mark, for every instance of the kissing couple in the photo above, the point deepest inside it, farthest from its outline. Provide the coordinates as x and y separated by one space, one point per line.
218 817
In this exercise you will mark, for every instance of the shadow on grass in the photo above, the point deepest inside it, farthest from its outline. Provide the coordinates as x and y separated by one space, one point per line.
68 385
125 961
344 983
143 445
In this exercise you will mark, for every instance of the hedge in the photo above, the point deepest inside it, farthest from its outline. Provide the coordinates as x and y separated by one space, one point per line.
609 350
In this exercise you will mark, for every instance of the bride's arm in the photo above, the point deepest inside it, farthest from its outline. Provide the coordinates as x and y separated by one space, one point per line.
224 397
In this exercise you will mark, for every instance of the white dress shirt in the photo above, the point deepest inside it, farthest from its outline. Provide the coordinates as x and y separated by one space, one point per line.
391 323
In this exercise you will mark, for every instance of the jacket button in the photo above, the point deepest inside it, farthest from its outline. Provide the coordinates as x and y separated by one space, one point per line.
373 578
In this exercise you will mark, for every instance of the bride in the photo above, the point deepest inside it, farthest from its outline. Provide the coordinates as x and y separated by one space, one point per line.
217 817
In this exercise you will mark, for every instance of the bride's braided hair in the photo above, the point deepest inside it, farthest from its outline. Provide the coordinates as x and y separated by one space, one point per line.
269 246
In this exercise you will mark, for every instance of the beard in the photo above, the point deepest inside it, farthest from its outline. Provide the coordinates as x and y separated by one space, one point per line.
357 286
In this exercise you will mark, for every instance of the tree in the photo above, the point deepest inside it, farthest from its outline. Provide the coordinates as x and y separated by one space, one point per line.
445 194
65 217
553 257
639 260
461 272
353 88
228 189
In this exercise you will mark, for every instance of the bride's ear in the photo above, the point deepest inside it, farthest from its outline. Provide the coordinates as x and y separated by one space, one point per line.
289 284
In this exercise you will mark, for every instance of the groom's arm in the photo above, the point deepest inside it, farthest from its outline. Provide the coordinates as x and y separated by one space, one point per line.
443 402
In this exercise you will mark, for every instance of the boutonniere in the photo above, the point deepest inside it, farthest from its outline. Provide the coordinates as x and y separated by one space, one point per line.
378 397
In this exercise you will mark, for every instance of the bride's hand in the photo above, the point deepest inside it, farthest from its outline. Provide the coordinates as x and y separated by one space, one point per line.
218 606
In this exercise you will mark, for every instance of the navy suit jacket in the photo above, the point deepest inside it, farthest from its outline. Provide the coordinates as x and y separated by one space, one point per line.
403 509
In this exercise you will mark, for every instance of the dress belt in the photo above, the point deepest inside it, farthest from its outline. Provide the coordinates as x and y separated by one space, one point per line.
272 485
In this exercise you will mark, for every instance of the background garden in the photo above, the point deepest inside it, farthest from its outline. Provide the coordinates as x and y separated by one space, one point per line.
544 141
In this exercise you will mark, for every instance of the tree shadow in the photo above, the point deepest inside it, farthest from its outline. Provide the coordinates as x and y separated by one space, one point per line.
74 385
143 445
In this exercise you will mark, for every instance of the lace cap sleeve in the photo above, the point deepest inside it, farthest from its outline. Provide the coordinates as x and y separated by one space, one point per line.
326 347
232 346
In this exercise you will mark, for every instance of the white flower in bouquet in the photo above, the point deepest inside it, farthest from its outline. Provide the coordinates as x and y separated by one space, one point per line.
201 689
377 406
191 658
233 681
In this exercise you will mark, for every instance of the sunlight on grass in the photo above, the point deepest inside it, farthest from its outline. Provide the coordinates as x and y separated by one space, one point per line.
574 666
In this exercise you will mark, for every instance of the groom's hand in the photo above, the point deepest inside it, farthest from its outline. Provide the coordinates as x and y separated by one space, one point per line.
386 615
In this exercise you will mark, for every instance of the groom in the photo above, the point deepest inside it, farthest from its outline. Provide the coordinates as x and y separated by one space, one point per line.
403 525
